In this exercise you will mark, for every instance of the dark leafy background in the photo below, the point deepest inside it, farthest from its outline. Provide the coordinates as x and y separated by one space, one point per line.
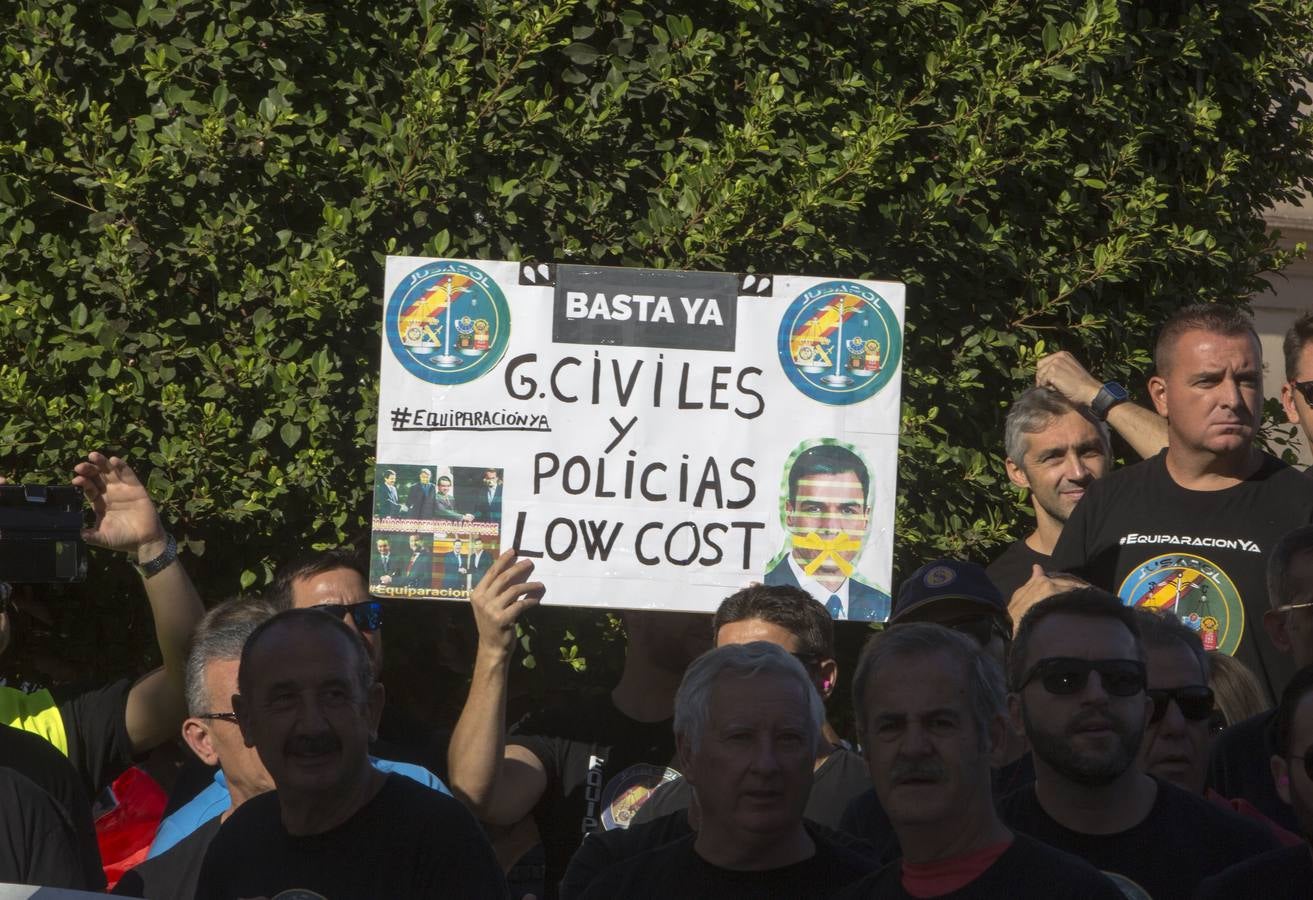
196 198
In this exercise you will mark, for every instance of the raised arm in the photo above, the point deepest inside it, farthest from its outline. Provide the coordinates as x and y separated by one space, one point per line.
500 784
1142 428
126 520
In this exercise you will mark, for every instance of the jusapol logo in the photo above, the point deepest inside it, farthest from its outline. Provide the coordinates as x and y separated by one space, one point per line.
448 322
839 343
1193 589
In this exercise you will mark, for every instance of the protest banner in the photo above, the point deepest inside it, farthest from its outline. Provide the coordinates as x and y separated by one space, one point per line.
653 439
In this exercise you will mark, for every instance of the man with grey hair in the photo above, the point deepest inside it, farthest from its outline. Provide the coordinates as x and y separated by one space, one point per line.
335 825
1055 450
211 732
747 723
930 710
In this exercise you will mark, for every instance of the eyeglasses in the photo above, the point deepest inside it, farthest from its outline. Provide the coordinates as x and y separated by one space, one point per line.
368 614
1307 760
1194 701
981 628
1293 606
1305 389
222 717
1064 675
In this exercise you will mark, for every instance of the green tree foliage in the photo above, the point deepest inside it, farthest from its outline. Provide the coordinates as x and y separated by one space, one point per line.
196 198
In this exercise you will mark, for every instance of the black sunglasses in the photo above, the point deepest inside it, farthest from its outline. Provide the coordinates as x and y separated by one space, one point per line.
981 629
1065 675
368 614
1194 701
1305 388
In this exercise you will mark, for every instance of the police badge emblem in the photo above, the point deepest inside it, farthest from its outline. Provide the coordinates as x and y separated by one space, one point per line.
448 322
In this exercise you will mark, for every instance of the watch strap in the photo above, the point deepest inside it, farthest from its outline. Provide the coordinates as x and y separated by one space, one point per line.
1108 396
160 563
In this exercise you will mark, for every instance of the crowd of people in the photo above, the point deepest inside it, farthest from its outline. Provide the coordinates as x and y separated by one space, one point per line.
1119 705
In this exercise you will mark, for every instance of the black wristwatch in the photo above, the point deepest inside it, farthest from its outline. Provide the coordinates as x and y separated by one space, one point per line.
163 561
1108 396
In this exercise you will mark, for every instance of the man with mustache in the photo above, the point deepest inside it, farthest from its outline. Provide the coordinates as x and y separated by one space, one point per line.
930 710
1077 680
826 516
1188 532
334 826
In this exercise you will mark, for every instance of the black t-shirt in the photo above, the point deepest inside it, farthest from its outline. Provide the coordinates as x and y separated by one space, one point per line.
1182 841
1285 874
1199 554
1012 568
676 870
174 873
1027 869
598 762
1240 768
36 759
36 842
603 849
408 841
840 778
866 818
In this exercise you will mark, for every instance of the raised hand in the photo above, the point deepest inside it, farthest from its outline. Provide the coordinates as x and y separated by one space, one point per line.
125 516
501 596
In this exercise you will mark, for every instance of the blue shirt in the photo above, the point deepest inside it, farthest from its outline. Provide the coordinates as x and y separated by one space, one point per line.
214 800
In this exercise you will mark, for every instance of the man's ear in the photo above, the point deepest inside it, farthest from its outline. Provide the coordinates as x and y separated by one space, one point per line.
197 735
1158 394
1281 778
377 696
829 677
1274 623
1016 474
1288 403
243 717
684 753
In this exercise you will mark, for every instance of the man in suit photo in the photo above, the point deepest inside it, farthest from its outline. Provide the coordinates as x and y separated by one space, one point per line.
487 504
386 565
422 501
826 514
386 501
418 569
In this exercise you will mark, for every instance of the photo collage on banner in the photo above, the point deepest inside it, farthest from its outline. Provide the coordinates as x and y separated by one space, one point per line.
651 439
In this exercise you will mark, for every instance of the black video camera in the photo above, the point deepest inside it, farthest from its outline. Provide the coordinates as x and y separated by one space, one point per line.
41 533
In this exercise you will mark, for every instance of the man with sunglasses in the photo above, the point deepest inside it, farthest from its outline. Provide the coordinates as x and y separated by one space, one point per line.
1240 764
1078 689
1188 531
211 732
1297 391
1288 872
1176 742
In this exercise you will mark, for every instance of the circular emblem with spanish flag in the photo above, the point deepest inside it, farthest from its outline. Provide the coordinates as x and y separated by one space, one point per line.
1195 590
839 342
447 322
